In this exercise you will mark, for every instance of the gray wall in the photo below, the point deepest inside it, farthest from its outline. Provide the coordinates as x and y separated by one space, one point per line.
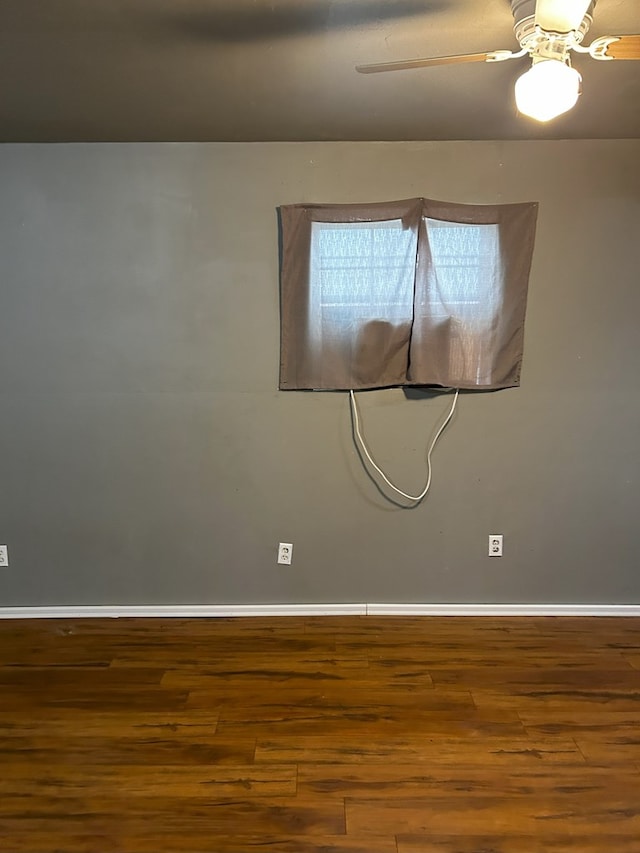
146 455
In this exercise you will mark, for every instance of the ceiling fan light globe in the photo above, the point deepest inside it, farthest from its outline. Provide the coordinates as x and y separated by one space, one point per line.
548 89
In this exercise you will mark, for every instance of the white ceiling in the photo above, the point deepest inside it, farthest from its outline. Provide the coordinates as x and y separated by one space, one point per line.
248 70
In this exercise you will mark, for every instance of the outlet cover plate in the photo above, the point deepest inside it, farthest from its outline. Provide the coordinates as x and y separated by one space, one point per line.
285 553
4 556
495 544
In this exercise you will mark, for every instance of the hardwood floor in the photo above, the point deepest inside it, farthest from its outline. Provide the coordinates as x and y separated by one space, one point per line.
320 735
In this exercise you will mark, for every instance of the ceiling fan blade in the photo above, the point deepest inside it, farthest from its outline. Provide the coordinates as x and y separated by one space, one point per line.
560 16
625 47
405 64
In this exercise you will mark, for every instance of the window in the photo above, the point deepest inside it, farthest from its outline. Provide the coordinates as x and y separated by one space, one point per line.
404 293
464 289
360 272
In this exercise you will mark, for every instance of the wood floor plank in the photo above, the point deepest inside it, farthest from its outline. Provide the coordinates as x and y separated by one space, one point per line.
466 750
503 656
463 782
41 678
607 750
65 780
352 672
597 721
554 699
572 842
521 679
325 844
341 700
247 703
381 722
218 656
161 751
282 665
143 724
233 699
161 817
140 697
198 841
483 815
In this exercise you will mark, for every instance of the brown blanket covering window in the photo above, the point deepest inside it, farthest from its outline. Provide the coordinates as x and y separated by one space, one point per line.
412 292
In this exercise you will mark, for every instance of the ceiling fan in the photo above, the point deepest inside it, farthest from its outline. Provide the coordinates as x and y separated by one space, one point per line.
547 31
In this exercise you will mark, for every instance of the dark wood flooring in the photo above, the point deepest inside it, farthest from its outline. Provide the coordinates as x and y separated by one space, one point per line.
320 735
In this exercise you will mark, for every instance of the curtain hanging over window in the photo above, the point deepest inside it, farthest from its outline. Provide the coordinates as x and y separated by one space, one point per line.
412 292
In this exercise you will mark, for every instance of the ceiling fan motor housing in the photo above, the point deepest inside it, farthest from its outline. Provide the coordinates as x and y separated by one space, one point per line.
531 37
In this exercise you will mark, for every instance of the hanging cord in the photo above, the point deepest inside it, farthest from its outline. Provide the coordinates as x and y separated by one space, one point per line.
356 424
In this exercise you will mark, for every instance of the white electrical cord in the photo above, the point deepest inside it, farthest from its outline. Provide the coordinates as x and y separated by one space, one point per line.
356 425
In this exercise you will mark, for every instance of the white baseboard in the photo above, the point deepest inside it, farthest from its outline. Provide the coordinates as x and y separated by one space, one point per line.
503 609
213 611
182 611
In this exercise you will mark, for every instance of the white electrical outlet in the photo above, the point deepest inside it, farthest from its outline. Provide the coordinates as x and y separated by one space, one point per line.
4 555
285 553
495 544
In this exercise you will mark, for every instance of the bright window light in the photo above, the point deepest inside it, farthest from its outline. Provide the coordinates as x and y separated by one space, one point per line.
548 89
